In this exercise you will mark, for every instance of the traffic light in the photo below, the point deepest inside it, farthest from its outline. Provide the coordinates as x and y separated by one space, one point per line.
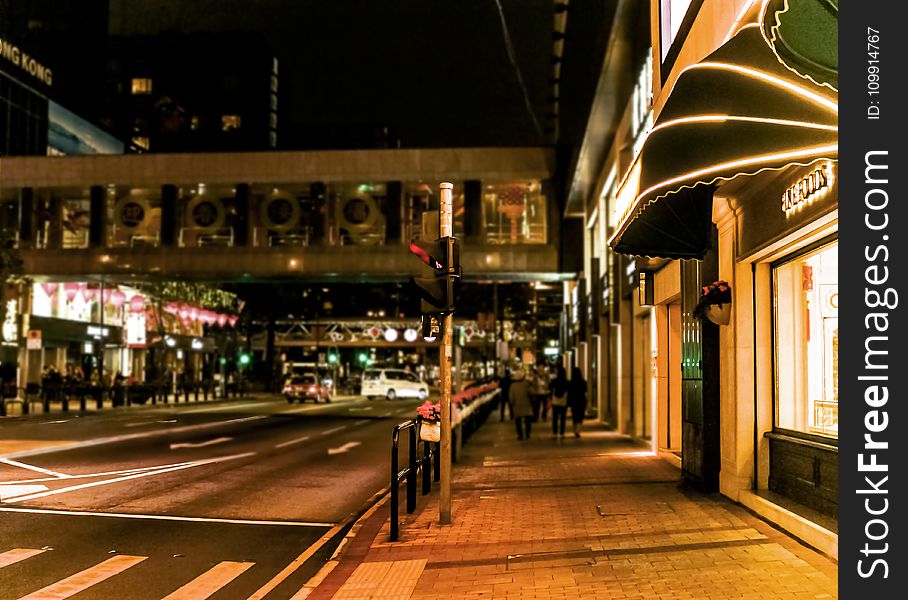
244 359
332 358
438 292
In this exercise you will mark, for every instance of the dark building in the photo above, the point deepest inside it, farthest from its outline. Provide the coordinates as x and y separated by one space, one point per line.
67 40
176 92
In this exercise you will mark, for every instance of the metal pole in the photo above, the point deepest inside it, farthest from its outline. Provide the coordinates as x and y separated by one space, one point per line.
446 229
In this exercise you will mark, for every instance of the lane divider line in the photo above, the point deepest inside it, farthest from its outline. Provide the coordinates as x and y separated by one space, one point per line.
297 562
130 436
83 486
210 581
13 556
291 442
335 430
15 463
363 422
219 440
85 579
82 513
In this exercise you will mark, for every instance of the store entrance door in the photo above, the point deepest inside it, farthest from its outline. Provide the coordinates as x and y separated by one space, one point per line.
700 459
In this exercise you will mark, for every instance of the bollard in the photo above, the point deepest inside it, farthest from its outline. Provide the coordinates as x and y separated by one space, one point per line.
45 400
195 388
82 399
64 397
411 472
426 468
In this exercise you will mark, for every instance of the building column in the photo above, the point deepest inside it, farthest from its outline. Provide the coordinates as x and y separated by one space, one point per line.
169 216
472 211
26 217
736 401
55 231
241 223
394 208
97 227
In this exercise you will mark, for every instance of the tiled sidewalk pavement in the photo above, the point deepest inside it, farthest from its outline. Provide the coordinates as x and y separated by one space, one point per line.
594 517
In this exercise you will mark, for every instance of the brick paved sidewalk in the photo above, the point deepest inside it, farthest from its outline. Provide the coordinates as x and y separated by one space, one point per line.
595 517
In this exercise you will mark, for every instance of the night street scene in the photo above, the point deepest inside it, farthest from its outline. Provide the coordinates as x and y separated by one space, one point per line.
518 299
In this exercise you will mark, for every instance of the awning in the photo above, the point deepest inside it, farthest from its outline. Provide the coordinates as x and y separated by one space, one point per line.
736 113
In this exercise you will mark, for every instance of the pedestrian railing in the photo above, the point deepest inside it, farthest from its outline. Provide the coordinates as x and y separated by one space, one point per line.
467 420
430 456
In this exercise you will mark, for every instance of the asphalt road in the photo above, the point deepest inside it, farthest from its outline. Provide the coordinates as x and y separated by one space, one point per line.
224 498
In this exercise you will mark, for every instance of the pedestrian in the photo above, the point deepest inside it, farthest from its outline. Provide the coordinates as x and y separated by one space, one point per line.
539 393
505 385
577 399
559 391
521 408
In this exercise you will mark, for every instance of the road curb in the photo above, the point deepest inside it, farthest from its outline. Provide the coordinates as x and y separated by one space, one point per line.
378 501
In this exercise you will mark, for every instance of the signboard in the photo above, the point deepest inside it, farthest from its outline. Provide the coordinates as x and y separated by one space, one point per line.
10 328
12 54
206 213
70 134
33 339
280 211
130 212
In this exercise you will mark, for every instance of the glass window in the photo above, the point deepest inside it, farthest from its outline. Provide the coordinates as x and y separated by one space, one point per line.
673 12
141 86
230 122
515 213
806 301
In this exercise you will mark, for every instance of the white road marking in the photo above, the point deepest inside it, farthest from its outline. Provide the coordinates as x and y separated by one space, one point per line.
297 562
210 581
55 422
363 422
15 463
219 440
223 408
344 448
144 423
82 486
131 436
80 513
358 408
11 491
305 409
17 554
291 442
87 475
335 430
85 579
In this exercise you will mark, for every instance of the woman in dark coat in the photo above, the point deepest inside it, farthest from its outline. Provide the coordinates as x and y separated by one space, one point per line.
577 399
559 390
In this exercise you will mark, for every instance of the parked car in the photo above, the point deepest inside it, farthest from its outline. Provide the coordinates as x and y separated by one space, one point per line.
306 387
393 383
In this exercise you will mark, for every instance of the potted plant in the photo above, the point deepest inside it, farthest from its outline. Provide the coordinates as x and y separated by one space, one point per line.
430 421
715 303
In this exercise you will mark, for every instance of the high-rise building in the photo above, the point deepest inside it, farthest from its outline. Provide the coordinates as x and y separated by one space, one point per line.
175 92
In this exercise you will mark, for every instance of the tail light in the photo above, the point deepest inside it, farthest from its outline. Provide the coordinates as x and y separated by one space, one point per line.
312 388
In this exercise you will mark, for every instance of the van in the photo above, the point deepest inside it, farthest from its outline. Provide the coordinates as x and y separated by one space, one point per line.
393 383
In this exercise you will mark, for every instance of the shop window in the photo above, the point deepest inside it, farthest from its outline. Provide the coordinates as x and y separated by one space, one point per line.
515 213
141 86
230 122
806 321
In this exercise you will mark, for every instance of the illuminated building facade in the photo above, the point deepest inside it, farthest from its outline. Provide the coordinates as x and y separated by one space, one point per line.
732 179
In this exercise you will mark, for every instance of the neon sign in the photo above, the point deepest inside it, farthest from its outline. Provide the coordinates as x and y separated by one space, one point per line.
809 188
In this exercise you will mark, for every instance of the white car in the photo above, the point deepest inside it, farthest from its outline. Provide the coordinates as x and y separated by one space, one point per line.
393 383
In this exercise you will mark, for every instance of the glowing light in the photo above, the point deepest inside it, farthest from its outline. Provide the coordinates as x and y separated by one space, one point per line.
770 79
390 335
410 335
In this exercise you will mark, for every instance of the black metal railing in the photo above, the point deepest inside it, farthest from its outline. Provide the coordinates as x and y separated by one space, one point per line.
430 456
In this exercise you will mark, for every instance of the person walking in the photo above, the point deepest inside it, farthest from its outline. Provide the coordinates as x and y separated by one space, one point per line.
559 391
521 407
505 384
577 399
539 390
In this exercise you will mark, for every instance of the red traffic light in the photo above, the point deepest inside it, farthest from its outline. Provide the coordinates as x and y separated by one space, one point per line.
423 255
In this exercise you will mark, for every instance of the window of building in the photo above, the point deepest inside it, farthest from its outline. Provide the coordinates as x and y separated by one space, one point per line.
272 120
806 322
230 122
141 86
273 101
272 139
141 142
515 213
194 122
673 12
274 83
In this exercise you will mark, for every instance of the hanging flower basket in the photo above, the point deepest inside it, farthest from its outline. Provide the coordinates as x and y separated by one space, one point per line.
430 432
715 303
430 421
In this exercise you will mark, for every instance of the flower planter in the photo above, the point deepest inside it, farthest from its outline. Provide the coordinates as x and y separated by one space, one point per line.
720 314
430 432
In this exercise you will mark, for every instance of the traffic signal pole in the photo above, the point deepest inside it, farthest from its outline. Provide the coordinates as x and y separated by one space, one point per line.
446 229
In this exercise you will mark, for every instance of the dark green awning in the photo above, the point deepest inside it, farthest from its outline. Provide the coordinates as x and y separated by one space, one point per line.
736 113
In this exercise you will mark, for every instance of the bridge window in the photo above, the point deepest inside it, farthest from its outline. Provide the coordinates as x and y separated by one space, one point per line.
141 86
515 213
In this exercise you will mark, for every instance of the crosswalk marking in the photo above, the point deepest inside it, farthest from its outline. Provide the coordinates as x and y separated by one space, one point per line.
13 556
210 581
85 579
